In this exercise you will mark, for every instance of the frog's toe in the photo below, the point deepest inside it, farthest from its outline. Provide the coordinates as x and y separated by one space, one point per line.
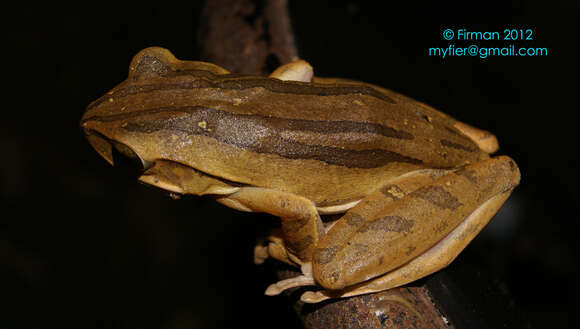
280 286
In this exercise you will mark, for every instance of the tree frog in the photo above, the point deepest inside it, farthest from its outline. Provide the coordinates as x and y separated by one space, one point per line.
413 185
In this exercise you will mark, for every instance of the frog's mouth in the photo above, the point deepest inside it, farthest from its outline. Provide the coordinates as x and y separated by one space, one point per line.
116 153
169 175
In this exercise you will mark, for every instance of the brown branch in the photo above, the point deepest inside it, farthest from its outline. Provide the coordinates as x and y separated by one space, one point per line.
254 37
244 36
409 307
405 307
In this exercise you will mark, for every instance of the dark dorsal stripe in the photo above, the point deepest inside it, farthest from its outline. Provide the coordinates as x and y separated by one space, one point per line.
262 134
206 79
152 64
457 146
275 123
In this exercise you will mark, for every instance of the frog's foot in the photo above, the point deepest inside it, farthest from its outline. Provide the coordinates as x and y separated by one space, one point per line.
276 249
299 281
485 140
306 279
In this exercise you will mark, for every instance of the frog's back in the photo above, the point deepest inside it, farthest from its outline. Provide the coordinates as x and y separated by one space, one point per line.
330 142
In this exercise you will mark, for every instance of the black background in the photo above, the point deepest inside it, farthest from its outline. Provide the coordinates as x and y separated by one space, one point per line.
83 245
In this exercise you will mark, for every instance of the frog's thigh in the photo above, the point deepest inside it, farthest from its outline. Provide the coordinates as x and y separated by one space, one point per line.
301 224
408 227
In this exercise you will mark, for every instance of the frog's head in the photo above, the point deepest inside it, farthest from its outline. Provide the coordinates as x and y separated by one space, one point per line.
106 119
156 82
141 121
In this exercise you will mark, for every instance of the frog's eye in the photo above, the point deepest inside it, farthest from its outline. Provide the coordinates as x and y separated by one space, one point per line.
151 62
125 158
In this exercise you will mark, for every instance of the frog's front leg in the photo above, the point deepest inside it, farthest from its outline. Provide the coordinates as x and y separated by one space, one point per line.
415 235
302 228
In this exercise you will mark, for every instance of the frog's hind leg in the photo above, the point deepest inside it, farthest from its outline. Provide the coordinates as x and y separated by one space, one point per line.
469 197
434 259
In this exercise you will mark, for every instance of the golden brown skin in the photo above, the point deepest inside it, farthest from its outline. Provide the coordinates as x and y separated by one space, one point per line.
405 175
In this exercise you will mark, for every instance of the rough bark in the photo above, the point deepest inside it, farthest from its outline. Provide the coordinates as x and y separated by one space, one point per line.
405 307
409 307
254 37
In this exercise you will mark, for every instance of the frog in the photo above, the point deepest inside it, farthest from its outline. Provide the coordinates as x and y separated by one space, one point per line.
406 186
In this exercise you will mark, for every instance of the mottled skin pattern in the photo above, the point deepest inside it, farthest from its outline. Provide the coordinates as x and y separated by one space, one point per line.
415 185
